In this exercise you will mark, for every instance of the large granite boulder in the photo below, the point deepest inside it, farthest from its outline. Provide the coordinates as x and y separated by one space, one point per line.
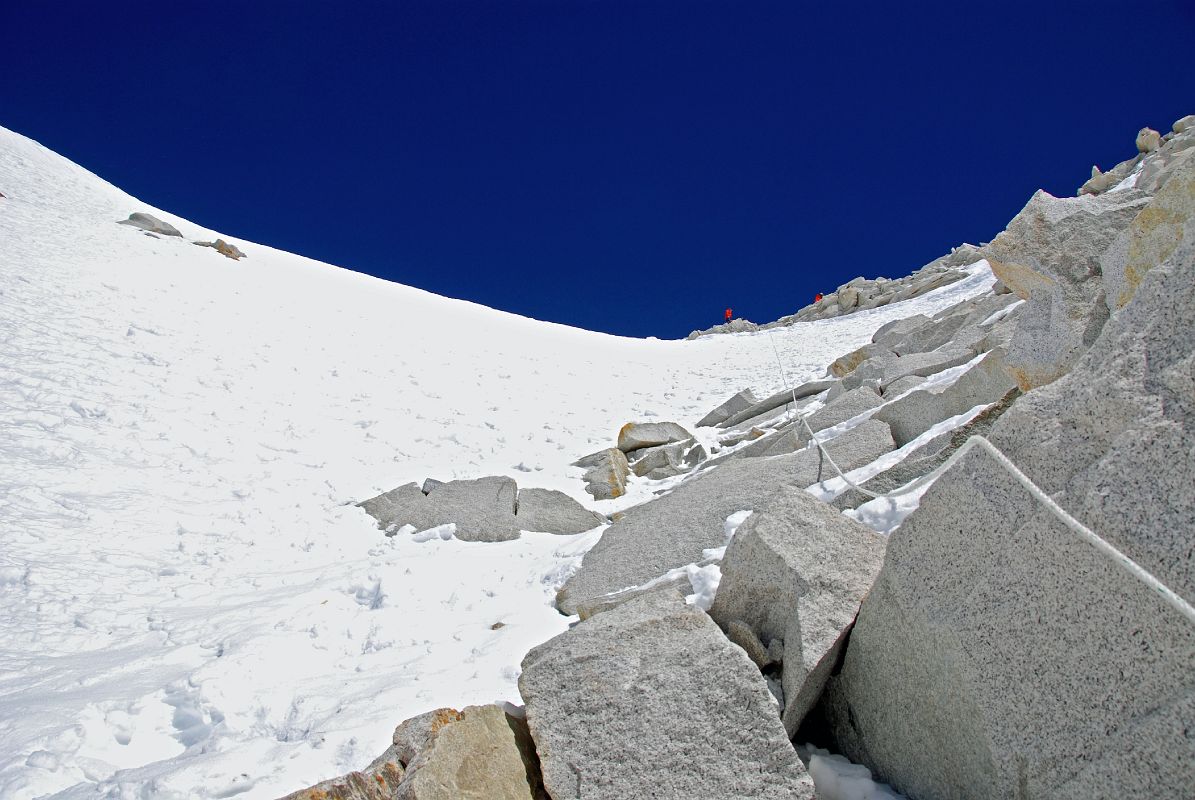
674 530
1001 656
1050 255
150 223
649 699
606 473
480 753
796 571
1184 124
550 511
1148 140
637 435
486 754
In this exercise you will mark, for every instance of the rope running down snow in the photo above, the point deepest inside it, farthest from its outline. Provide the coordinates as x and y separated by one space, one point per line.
1168 595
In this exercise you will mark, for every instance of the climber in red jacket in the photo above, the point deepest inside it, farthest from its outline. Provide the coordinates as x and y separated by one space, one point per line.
729 314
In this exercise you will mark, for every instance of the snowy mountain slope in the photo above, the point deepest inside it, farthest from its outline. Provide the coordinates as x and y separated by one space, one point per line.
190 605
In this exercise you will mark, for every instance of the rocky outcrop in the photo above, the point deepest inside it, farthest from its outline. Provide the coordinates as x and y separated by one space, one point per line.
486 754
151 224
1026 662
861 294
224 248
734 326
675 529
794 575
606 473
487 509
1050 255
480 753
650 700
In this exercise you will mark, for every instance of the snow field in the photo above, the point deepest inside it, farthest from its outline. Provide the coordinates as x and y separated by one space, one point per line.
191 605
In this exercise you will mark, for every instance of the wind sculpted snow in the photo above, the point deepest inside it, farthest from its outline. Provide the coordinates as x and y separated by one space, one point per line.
190 603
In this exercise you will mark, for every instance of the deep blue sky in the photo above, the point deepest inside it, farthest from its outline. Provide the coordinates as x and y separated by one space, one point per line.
626 167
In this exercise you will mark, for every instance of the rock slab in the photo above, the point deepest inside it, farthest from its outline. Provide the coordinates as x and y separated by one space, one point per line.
650 699
148 222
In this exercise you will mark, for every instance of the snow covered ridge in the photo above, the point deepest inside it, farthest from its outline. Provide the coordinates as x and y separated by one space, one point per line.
194 605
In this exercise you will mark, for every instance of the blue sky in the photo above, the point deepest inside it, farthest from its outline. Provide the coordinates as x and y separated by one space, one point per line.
626 167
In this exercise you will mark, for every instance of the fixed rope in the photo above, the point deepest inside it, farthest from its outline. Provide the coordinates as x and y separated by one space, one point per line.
1168 595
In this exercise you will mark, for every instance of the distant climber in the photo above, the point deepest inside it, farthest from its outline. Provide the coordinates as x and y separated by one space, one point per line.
817 298
729 314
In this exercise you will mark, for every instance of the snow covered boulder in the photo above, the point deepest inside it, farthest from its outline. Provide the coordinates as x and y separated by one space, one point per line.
1050 255
740 402
650 699
150 223
551 511
999 655
606 473
674 530
637 435
796 571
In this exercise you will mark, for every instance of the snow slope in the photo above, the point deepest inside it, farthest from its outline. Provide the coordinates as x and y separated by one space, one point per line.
190 603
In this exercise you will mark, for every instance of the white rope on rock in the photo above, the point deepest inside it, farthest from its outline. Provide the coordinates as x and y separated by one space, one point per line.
1168 595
